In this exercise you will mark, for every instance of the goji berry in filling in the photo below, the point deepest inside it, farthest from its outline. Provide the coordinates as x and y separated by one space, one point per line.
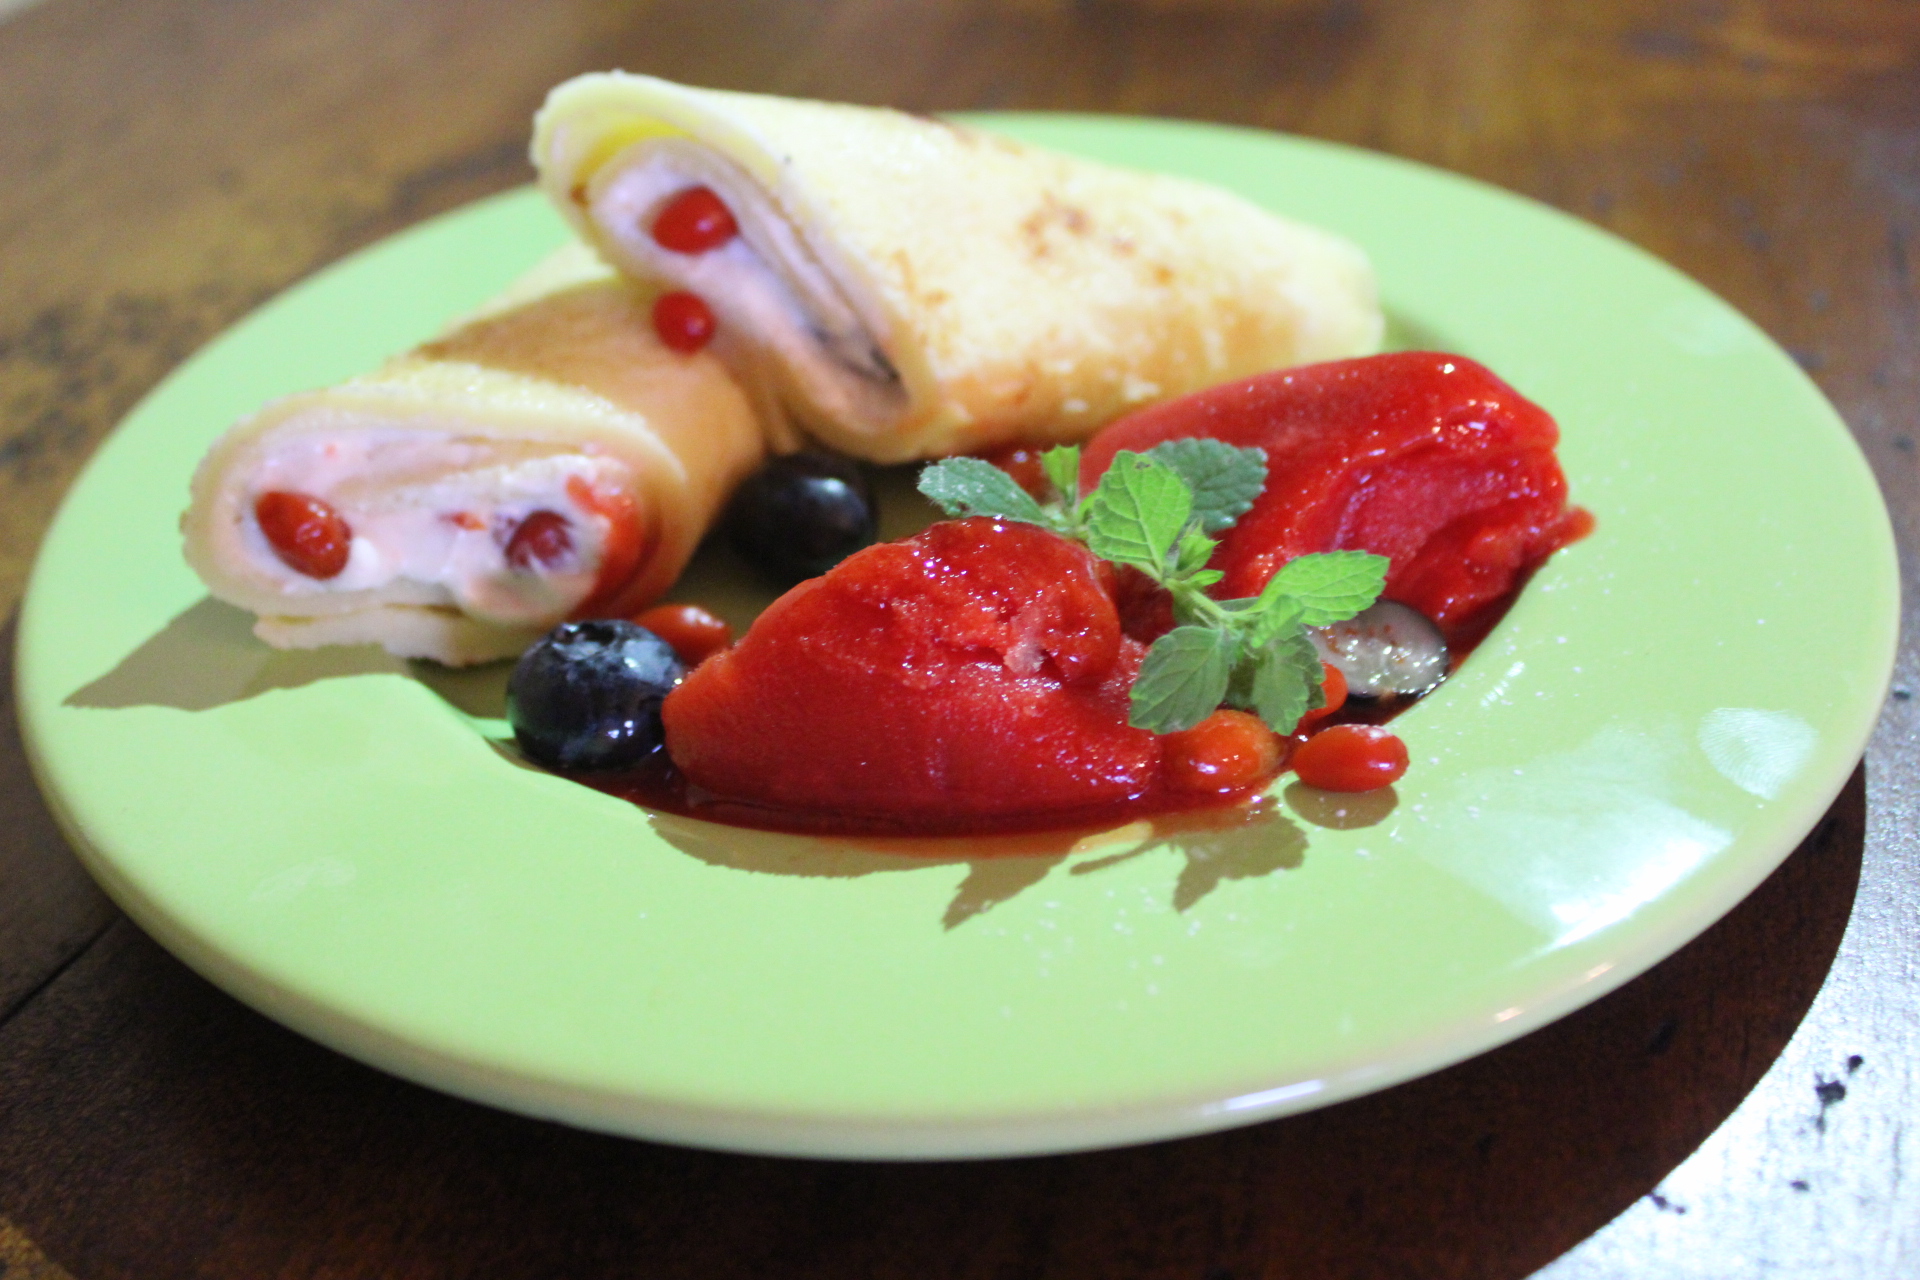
684 321
308 535
694 221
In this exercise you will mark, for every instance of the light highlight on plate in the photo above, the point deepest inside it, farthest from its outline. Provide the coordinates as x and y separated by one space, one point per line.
1583 838
1268 1097
1757 751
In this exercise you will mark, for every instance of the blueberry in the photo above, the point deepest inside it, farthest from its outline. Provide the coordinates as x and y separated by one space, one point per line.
1388 651
588 695
800 515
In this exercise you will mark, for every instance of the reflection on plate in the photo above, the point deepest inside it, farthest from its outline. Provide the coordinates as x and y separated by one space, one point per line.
335 838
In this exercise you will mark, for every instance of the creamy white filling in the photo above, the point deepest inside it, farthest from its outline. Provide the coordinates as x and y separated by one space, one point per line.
433 515
763 284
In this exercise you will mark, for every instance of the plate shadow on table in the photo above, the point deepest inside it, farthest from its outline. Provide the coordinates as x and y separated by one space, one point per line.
150 1125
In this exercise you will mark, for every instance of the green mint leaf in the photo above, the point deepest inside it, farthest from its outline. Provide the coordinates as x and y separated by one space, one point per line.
1271 618
971 487
1195 549
1137 512
1182 679
1285 682
1192 607
1330 586
1224 480
1062 466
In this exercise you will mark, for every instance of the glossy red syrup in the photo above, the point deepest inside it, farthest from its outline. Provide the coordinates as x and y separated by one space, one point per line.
694 221
308 534
1201 800
623 544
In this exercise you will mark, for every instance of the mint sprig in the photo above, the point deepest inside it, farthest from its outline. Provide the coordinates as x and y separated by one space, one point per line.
974 487
1224 480
1156 512
1138 513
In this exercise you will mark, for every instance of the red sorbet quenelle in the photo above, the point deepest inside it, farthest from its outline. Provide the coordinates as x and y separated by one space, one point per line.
970 677
976 677
1425 458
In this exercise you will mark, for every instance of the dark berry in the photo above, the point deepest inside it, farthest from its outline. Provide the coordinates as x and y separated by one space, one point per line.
801 514
1387 651
588 695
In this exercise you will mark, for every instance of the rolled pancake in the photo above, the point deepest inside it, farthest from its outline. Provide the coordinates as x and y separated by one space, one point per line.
547 458
903 287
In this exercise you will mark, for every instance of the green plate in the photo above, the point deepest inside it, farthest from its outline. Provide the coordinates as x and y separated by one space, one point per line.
1667 710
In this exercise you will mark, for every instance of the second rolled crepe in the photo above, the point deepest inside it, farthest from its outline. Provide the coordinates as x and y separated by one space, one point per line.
546 459
902 287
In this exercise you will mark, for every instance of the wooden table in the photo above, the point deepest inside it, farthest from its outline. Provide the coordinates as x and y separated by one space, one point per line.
1743 1109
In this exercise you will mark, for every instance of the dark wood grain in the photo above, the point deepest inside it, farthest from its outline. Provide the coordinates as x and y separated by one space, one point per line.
1743 1109
49 909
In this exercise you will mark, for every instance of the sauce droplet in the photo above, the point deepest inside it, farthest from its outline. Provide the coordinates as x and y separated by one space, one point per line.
308 535
694 221
623 545
683 321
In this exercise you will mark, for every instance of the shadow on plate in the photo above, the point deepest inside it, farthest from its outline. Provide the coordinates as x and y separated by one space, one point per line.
1216 846
208 657
1407 334
1341 810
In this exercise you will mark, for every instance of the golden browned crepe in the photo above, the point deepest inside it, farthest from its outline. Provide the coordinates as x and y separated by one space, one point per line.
905 288
554 411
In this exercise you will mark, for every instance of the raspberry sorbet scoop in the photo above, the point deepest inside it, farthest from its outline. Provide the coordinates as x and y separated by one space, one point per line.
972 676
1425 458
